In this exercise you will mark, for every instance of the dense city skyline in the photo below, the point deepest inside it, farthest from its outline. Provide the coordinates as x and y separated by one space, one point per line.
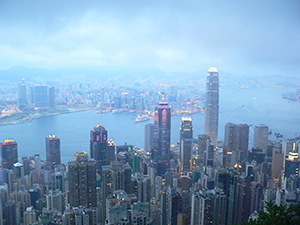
110 119
168 184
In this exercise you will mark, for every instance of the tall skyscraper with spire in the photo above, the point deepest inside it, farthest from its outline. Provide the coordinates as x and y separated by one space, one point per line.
212 105
162 137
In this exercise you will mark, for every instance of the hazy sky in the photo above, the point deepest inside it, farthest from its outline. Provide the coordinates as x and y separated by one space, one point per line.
240 37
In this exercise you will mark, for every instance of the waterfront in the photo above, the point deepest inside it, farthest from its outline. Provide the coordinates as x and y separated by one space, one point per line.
237 105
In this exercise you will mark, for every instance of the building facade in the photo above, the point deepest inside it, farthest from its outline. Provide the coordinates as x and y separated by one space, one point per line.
162 137
186 143
9 153
51 97
98 146
53 149
261 133
212 105
148 137
82 181
41 96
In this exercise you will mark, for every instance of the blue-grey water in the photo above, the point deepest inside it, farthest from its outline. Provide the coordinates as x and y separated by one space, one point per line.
251 106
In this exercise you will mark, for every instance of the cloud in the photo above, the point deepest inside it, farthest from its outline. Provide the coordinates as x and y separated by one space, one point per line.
252 36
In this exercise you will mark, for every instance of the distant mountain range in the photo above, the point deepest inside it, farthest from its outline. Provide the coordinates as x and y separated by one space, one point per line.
16 73
103 73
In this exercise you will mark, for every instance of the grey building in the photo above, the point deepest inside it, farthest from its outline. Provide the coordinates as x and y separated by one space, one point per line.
186 143
148 137
41 96
82 181
212 105
261 133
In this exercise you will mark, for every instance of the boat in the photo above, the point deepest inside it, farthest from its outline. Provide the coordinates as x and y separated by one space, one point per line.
118 111
142 118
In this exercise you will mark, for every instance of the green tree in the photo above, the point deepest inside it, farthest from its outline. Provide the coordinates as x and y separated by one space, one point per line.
278 215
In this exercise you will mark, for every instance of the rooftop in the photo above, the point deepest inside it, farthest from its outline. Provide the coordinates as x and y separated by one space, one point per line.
213 69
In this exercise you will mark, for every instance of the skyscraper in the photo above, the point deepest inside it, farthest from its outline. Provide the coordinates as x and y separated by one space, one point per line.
277 160
116 176
209 207
102 94
22 95
148 137
288 145
209 157
110 152
261 133
202 142
82 181
9 153
53 149
136 163
291 165
41 96
162 136
242 141
236 140
186 128
98 146
230 137
212 105
51 97
173 205
186 143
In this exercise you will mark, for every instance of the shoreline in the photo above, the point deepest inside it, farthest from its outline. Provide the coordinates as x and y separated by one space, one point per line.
29 118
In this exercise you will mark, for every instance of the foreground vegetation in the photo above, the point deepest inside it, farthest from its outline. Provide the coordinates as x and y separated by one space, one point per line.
276 215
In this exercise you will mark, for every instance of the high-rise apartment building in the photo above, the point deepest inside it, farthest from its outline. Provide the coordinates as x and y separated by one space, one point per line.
9 153
173 205
141 185
209 207
148 137
53 149
98 146
82 181
41 96
186 143
261 133
212 105
116 176
162 137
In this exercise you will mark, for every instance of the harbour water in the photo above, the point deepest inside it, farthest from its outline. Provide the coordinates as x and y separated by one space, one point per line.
237 105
